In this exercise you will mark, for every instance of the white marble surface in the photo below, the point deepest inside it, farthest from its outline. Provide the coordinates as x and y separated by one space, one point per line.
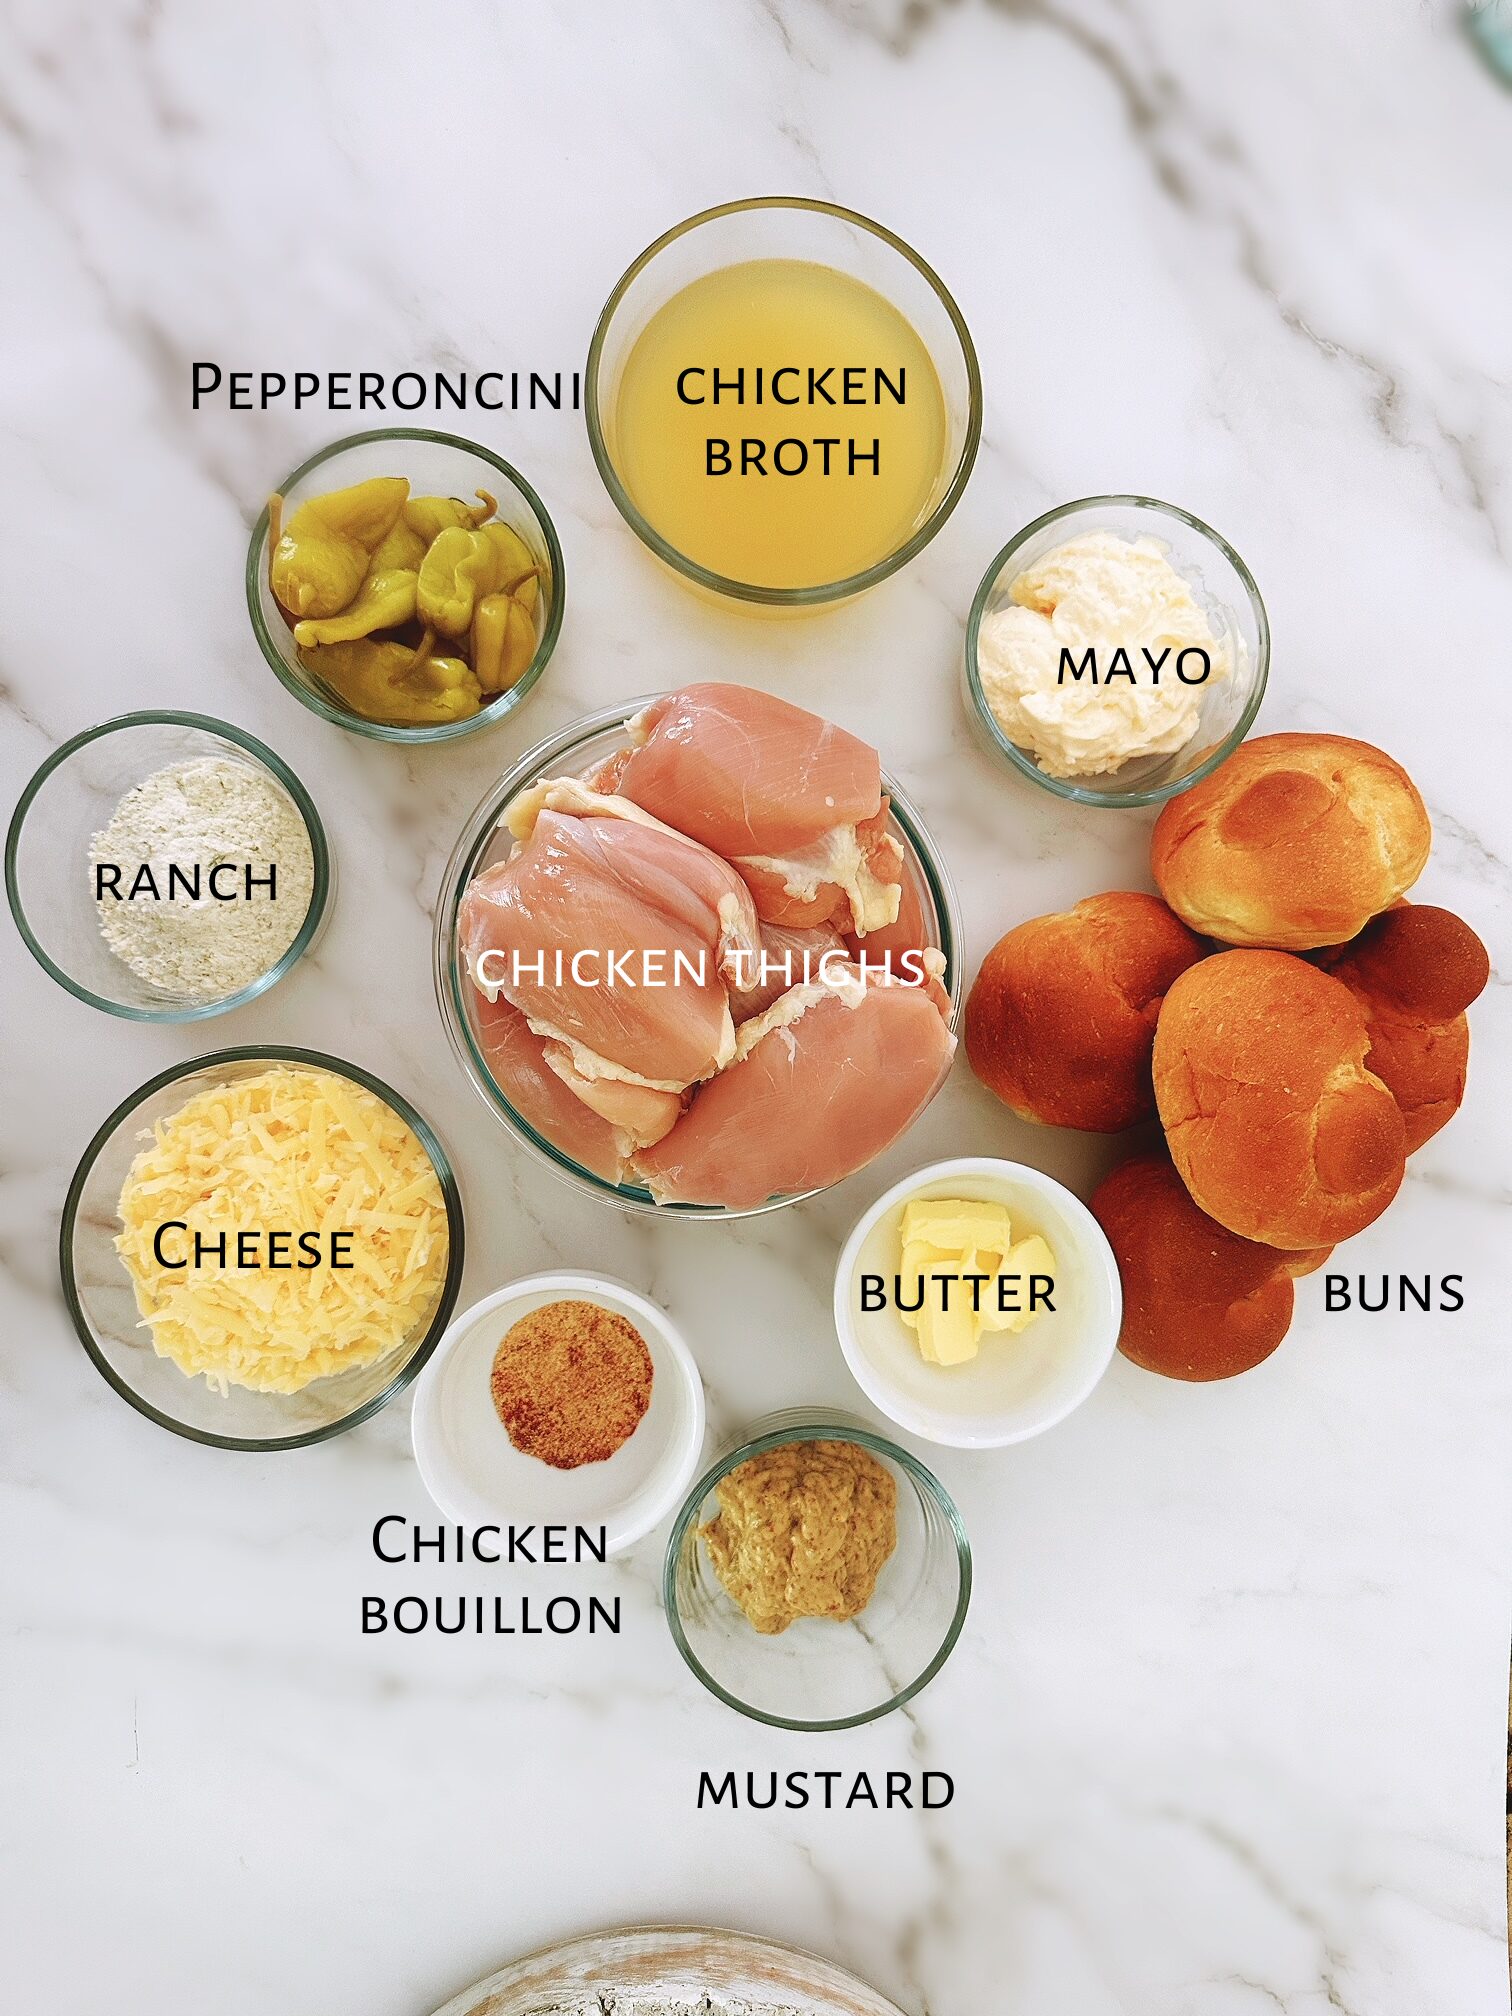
1227 1719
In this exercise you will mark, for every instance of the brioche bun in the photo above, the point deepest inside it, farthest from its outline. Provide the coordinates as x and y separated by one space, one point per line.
1061 1017
1414 970
1273 1122
1198 1301
1296 841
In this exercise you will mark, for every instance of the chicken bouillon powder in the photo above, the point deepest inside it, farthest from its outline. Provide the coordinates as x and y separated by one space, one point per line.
571 1383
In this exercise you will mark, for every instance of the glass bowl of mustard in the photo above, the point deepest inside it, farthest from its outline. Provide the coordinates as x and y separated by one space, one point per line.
823 1669
219 1408
783 401
68 890
440 469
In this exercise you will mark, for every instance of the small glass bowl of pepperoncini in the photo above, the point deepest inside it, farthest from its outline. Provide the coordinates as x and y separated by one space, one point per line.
407 585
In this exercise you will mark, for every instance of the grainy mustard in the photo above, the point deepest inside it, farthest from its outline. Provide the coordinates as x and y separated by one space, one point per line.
803 1530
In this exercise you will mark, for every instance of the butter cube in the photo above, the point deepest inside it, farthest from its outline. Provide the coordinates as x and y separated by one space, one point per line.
919 1262
945 1242
1030 1257
957 1226
950 1336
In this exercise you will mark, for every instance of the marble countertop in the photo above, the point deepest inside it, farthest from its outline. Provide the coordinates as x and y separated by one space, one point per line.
1227 1718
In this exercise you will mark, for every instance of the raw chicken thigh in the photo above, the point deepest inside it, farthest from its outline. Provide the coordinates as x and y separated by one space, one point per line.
793 801
848 878
788 957
676 967
907 934
569 929
823 1081
516 1057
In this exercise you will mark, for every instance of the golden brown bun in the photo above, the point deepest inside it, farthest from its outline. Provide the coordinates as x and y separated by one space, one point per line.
1198 1302
1061 1017
1296 841
1414 971
1274 1123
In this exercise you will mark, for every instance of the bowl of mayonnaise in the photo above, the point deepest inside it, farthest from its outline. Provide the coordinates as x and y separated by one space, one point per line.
1117 651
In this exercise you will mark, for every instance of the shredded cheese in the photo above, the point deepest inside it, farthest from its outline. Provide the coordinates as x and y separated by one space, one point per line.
287 1150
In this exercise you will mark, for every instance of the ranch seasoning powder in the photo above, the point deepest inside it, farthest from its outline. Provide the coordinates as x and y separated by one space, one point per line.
203 877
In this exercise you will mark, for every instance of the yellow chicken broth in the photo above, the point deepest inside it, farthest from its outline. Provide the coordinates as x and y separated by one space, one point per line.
786 523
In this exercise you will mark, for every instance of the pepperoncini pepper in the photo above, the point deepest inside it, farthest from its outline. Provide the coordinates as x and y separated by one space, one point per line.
403 547
457 569
430 516
322 555
447 687
384 682
355 566
463 567
384 602
520 565
515 557
503 641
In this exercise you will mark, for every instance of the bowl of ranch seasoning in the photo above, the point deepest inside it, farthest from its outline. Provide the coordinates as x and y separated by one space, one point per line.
167 867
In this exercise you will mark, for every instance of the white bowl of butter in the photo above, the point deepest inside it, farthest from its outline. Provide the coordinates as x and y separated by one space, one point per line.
1019 1350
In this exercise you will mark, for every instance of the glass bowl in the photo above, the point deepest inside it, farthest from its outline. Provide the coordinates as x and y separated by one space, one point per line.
102 1304
482 844
1225 589
436 464
71 798
818 1674
788 227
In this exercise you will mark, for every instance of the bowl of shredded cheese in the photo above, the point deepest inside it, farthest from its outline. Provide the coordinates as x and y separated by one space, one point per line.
261 1247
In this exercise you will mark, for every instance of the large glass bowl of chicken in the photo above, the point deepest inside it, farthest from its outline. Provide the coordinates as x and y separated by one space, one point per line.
678 1029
